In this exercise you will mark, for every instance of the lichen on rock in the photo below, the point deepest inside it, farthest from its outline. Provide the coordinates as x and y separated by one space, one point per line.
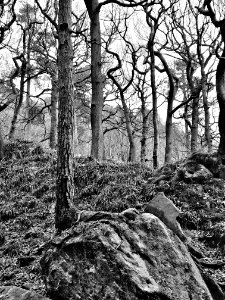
122 258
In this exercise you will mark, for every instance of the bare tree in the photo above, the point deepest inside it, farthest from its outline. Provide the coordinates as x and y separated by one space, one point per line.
186 39
93 8
153 23
173 87
155 15
142 87
5 27
207 10
122 90
96 79
22 70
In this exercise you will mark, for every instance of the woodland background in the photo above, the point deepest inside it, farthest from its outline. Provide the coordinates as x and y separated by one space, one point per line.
157 66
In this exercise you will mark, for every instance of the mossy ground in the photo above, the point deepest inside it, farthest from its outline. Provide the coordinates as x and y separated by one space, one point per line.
27 197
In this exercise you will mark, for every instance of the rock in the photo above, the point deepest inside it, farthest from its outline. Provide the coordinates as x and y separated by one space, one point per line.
166 211
24 261
222 172
16 293
192 172
38 150
121 259
2 237
209 161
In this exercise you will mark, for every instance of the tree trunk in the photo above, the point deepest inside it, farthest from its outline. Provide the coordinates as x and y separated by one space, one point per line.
207 10
65 180
194 125
20 100
169 134
1 145
187 127
28 123
154 106
220 88
169 117
173 87
144 129
96 80
208 137
132 148
54 101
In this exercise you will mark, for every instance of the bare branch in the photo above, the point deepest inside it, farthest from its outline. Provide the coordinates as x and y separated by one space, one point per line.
43 11
127 3
7 26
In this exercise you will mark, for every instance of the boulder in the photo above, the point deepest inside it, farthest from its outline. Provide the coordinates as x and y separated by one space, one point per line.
16 293
209 161
166 211
119 257
192 172
222 172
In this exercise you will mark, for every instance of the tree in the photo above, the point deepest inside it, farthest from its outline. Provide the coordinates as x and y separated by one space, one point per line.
54 101
66 124
155 15
142 87
122 90
96 79
207 10
173 87
186 38
19 101
4 27
120 80
153 24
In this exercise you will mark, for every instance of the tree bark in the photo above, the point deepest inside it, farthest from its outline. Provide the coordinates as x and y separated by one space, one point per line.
154 103
54 101
207 10
96 80
65 180
187 128
173 87
132 146
194 125
220 88
28 123
208 136
144 129
19 101
2 144
132 149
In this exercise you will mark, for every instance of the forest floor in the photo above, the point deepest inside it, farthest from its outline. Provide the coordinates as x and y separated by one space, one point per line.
27 198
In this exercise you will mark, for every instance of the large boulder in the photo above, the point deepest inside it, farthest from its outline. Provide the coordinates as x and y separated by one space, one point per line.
166 211
119 257
16 293
209 161
192 172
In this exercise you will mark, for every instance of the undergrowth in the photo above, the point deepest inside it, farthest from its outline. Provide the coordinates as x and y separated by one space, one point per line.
27 199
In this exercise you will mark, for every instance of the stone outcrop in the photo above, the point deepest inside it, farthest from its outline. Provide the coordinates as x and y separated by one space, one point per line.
121 256
166 211
16 293
209 161
192 172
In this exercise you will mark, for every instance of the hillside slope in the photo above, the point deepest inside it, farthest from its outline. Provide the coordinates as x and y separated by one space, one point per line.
27 197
